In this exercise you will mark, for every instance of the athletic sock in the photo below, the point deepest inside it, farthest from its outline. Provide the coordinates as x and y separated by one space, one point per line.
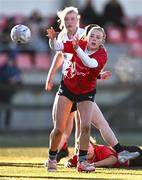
118 148
82 155
52 155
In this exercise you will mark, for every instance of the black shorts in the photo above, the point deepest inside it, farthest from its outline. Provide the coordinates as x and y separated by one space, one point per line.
64 91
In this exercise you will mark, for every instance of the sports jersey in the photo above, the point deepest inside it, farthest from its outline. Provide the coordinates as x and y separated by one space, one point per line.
78 78
64 37
101 152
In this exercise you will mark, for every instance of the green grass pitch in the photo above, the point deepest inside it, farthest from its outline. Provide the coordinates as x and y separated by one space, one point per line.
28 164
23 157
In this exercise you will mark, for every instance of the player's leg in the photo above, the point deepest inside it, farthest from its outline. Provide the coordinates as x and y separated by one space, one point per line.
109 137
63 146
72 161
102 125
68 131
62 112
62 107
85 109
77 129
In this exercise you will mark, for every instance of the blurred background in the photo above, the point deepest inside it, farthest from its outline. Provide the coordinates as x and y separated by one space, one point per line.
26 106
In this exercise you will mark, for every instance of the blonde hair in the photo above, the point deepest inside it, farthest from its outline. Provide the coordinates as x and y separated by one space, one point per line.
62 14
93 140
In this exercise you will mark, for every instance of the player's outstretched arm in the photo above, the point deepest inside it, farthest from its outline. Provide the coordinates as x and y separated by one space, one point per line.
56 64
108 162
53 42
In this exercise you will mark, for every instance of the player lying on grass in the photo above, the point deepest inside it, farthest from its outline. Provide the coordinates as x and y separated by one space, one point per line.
105 156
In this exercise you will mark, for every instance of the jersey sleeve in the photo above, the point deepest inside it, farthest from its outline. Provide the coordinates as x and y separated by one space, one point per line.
60 37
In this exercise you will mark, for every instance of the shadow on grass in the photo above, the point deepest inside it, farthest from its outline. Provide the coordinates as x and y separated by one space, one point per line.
41 165
51 177
23 164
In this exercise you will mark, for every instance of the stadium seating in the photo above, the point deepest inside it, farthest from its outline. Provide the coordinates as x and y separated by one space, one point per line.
19 18
114 35
132 35
3 21
3 58
42 61
38 61
138 22
23 61
135 49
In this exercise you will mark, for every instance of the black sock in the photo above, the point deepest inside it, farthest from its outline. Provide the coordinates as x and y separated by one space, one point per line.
52 155
118 148
82 155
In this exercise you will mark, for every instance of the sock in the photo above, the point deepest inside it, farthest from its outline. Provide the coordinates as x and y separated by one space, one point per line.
82 156
118 148
52 155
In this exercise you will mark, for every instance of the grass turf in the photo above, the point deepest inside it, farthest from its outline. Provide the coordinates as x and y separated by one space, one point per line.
28 163
22 157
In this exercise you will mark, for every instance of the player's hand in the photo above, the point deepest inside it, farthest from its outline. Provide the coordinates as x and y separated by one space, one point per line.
75 42
106 75
51 33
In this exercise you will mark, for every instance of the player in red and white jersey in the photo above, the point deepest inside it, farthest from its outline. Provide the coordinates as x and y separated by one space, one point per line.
89 58
69 24
79 78
69 18
65 35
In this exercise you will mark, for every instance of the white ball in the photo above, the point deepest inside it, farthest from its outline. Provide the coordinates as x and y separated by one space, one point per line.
20 34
